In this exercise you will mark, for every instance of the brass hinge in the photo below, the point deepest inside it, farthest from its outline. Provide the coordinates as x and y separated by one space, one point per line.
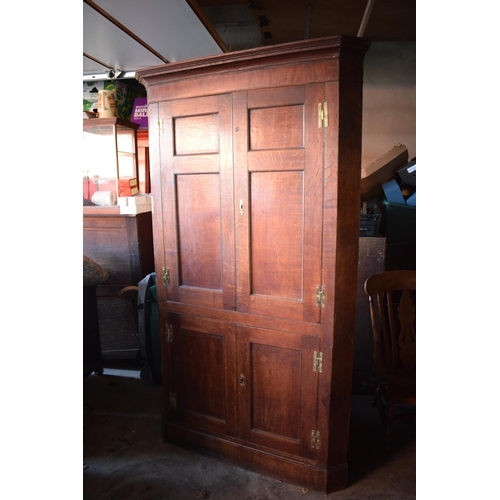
318 362
315 441
320 295
173 400
166 276
322 114
169 334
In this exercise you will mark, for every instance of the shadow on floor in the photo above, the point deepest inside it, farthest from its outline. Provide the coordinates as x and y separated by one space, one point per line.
125 457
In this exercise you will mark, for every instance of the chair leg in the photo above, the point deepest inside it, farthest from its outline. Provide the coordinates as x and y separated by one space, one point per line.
390 419
379 404
376 395
386 416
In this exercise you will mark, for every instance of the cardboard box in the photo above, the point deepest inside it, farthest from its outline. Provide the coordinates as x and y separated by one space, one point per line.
135 209
134 201
381 170
127 187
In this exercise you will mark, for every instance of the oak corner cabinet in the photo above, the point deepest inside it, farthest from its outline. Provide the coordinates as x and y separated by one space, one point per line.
255 172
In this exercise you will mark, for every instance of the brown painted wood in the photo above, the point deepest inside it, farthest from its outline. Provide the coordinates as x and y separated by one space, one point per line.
203 354
342 161
258 204
296 63
196 147
277 390
280 258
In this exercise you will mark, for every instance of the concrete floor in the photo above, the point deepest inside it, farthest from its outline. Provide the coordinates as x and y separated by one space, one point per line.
125 457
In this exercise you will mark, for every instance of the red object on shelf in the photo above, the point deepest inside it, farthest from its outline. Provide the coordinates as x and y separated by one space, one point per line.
128 187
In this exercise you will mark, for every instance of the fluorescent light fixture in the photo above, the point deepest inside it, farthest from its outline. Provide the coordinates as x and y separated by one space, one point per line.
105 76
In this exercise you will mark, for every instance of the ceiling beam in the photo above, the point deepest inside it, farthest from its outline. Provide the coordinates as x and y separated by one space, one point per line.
119 25
208 25
97 61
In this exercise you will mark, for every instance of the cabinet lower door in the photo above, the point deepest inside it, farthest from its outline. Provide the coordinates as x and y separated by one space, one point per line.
203 385
278 390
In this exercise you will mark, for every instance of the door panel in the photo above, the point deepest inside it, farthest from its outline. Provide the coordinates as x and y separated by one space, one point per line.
196 134
279 180
197 186
282 366
277 223
199 219
276 127
203 373
278 396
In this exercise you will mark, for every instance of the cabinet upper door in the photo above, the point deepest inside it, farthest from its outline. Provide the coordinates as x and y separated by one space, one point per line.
197 200
278 150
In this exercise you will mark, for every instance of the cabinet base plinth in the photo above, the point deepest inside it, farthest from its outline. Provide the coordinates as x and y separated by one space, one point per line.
241 455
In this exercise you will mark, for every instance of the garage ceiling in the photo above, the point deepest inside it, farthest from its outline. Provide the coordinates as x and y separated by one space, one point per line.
128 35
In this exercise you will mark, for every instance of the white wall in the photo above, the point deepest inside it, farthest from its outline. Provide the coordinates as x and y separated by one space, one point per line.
389 99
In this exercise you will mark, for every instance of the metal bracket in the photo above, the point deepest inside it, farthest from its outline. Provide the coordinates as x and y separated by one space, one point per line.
315 440
320 295
169 333
322 114
318 362
166 276
173 400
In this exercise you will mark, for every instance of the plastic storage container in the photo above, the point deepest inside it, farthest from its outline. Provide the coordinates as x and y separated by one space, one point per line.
398 225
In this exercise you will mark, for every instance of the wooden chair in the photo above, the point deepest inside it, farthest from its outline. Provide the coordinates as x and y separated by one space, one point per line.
392 297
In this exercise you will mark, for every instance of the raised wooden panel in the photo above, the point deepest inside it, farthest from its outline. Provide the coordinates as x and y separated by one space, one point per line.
277 221
205 380
278 400
199 226
202 371
196 134
277 127
275 374
263 161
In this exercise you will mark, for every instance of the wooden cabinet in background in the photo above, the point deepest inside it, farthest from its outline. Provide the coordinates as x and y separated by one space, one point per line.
123 245
255 172
92 358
